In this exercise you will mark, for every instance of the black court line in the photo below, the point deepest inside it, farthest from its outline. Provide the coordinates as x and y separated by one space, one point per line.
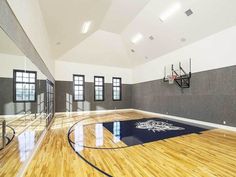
195 130
141 135
102 148
92 165
141 131
8 139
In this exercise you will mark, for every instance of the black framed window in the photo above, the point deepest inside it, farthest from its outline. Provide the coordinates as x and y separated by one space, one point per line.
24 85
116 88
79 83
99 88
50 101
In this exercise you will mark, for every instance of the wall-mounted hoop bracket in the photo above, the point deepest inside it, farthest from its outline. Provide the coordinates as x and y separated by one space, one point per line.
180 77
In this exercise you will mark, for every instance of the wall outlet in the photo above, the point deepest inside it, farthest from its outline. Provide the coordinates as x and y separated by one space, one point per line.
224 122
167 113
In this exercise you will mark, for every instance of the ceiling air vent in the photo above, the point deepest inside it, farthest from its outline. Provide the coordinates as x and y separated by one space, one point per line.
151 37
189 12
132 50
183 39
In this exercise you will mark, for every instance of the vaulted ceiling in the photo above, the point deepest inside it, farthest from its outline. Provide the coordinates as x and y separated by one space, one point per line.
115 22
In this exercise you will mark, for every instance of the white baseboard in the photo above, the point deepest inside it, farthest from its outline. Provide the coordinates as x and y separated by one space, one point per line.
189 120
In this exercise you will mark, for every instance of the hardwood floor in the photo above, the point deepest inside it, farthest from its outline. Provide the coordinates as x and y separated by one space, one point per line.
211 153
15 154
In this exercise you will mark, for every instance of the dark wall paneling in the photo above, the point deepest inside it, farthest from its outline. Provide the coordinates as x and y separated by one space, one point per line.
10 24
65 103
8 107
211 97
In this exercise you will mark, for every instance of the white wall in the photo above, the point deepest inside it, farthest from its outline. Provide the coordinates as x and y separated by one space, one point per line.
212 52
30 17
11 62
64 72
215 51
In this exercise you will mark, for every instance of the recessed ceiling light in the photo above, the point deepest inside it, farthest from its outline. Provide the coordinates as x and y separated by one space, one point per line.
189 12
86 27
138 37
170 11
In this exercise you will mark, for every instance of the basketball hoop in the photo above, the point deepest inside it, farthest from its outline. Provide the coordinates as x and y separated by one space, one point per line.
171 78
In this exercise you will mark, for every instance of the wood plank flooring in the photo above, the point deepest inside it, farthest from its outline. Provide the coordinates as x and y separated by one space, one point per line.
212 153
15 154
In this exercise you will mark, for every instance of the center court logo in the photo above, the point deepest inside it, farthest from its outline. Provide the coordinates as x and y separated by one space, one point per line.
157 126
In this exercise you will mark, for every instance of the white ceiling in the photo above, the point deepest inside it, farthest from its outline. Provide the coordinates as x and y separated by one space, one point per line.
64 20
209 16
107 48
121 13
115 22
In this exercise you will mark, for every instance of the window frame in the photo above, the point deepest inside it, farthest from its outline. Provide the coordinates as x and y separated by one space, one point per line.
117 86
15 82
78 75
50 101
103 88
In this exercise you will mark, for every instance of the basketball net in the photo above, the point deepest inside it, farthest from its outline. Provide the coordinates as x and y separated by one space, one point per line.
171 78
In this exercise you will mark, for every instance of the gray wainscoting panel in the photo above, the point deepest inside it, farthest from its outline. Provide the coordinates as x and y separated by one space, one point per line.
65 103
211 97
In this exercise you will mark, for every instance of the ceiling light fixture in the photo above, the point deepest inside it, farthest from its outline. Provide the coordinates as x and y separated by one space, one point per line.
86 27
170 11
138 37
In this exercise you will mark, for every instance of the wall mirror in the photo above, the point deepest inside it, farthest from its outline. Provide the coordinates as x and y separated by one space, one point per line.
26 99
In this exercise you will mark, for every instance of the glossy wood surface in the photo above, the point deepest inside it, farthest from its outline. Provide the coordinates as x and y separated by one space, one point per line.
212 153
16 153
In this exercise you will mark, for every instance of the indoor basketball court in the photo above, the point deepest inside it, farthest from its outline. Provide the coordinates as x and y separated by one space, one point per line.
118 88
